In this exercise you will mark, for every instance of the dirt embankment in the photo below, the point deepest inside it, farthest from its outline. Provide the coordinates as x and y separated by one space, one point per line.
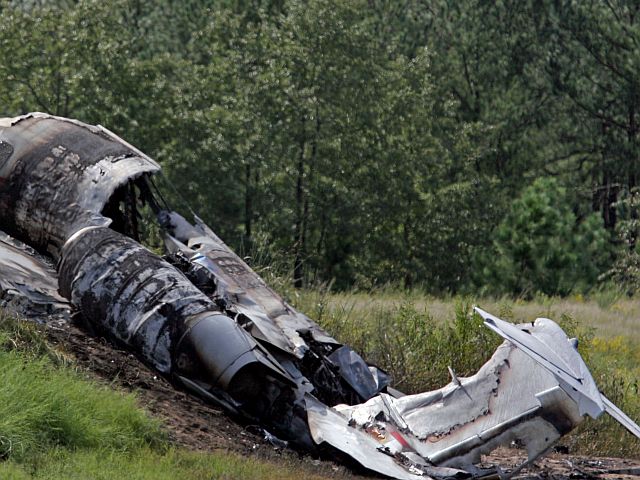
193 424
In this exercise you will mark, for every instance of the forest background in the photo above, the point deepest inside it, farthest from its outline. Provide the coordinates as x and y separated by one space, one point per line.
456 147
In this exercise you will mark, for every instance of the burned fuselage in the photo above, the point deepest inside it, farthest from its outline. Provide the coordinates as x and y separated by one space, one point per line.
70 196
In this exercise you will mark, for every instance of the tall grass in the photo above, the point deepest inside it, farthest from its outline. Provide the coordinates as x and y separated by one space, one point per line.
411 345
45 405
615 364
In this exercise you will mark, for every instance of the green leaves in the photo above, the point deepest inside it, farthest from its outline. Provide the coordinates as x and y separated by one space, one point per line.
371 142
540 246
61 60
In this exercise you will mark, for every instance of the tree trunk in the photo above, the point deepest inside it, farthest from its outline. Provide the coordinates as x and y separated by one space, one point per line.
632 180
609 195
299 228
248 203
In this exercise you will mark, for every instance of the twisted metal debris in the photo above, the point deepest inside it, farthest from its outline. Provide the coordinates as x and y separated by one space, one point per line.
70 196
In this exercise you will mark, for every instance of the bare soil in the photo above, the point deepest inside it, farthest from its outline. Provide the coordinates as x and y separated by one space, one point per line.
193 424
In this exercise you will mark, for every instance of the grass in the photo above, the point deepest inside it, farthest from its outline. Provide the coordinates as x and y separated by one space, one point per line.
44 404
145 463
615 364
415 337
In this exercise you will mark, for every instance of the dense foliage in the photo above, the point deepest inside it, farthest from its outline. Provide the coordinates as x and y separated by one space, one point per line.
372 142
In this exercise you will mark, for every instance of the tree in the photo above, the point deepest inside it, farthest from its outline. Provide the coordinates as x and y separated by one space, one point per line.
337 139
541 246
68 61
593 61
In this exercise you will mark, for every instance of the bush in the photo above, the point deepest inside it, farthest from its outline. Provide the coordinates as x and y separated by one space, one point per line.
542 247
625 272
408 343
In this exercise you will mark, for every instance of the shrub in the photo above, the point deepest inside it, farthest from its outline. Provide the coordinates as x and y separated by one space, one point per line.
542 247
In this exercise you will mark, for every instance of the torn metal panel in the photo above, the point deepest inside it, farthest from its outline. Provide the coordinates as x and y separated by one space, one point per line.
548 347
329 426
28 282
239 286
511 398
366 381
337 372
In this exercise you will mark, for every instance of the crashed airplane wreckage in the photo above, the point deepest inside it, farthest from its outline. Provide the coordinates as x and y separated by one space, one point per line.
69 200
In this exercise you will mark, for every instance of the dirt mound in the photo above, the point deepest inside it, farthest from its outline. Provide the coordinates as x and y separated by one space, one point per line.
193 424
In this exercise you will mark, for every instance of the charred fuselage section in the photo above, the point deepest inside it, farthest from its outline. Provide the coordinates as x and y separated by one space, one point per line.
71 197
200 316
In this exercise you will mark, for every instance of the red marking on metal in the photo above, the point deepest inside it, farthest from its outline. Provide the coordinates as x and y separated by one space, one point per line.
400 439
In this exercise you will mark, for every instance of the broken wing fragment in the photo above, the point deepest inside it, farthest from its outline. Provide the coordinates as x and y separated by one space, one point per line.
533 390
511 398
548 348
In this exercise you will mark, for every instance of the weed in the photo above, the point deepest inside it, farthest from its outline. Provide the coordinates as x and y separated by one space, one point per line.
146 464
